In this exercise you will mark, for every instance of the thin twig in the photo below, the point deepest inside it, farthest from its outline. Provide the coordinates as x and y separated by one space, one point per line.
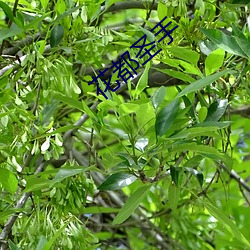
244 195
235 176
148 13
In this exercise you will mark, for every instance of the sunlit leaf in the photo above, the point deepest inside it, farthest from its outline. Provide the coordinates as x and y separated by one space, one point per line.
129 108
8 180
202 114
173 196
117 181
214 61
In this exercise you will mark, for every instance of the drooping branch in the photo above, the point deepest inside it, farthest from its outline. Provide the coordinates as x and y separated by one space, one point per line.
20 203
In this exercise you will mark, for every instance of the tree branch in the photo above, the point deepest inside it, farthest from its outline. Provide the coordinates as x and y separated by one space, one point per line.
236 177
21 44
20 203
16 63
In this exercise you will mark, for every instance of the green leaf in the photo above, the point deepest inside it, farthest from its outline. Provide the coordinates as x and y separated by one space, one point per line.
193 132
227 223
66 172
219 125
198 175
202 114
207 46
13 246
143 81
98 210
117 181
244 45
132 203
216 110
9 32
68 12
238 33
185 54
177 74
41 243
56 131
241 40
56 35
34 183
150 35
8 180
174 172
70 101
173 196
223 41
194 161
158 97
128 108
189 68
161 10
49 244
204 150
44 3
214 61
197 85
36 21
166 117
7 10
108 3
188 105
49 110
9 211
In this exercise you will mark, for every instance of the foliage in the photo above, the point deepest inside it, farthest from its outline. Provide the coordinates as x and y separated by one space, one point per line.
161 164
